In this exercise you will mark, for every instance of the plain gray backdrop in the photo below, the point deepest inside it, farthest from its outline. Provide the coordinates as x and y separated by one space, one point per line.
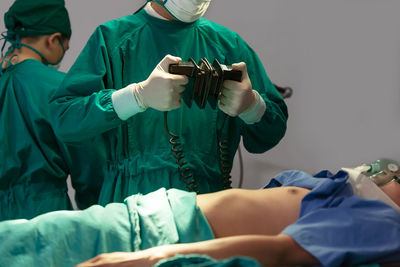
341 57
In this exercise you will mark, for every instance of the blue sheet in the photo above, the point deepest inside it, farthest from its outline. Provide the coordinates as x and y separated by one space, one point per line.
338 227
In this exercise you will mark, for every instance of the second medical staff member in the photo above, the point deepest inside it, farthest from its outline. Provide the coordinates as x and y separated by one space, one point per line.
34 164
119 85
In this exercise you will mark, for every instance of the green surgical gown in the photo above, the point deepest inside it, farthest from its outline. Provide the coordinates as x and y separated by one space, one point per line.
33 164
137 151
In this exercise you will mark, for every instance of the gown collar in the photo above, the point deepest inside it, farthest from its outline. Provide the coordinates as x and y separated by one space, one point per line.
166 24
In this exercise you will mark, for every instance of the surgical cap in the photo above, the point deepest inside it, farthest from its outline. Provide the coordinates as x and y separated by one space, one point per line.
29 18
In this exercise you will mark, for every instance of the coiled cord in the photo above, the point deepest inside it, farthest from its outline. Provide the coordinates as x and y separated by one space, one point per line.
185 172
224 161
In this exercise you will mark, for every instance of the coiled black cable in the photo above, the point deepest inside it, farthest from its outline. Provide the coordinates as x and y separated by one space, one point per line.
185 172
224 160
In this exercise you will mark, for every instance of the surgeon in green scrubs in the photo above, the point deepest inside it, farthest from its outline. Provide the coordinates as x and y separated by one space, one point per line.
34 163
119 87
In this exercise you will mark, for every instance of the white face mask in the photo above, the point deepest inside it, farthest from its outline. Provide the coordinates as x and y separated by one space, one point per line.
186 10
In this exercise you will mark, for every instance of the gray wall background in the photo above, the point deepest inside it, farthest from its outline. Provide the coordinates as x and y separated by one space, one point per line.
342 58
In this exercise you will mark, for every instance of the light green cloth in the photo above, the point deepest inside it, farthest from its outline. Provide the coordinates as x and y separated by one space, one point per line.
137 151
66 238
37 17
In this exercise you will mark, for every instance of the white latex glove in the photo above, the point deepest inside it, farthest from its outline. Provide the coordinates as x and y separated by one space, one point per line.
237 97
161 90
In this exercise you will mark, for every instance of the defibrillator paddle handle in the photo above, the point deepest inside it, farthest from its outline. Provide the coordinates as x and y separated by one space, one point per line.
234 75
207 79
190 68
182 68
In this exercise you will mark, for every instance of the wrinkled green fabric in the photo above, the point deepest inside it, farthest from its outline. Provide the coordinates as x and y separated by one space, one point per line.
66 238
37 18
34 163
195 260
138 153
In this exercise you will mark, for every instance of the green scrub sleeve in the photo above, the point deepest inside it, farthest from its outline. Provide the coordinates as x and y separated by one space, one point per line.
265 134
82 106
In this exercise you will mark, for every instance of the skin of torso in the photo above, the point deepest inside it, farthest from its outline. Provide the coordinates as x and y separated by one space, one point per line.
241 211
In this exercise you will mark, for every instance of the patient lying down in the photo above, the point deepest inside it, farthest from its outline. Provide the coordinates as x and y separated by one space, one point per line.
298 220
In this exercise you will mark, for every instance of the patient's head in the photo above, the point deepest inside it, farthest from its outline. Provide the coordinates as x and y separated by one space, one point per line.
392 189
389 182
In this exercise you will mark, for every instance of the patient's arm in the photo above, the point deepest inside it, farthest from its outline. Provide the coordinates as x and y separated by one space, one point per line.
268 250
279 250
245 222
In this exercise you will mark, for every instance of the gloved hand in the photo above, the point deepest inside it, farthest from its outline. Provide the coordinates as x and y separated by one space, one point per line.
161 90
237 97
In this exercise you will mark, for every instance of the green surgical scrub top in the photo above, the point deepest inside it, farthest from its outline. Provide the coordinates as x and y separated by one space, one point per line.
33 163
138 157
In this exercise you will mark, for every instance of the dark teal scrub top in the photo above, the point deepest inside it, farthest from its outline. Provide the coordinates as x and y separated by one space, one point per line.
33 163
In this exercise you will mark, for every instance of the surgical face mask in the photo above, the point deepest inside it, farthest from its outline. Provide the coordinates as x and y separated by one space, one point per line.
185 10
56 65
